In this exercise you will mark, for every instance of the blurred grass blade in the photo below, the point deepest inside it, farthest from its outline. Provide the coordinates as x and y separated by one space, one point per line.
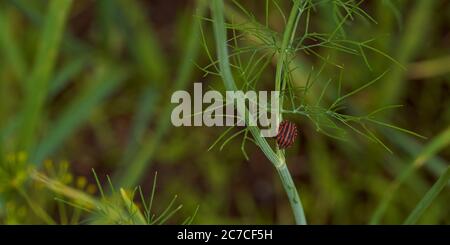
32 12
58 83
107 14
136 170
144 112
411 42
109 78
437 144
29 9
9 47
37 85
144 45
151 64
436 165
430 68
426 201
65 74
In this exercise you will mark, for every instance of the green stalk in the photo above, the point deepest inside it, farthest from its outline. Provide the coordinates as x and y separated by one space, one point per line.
277 160
288 37
286 43
285 46
291 191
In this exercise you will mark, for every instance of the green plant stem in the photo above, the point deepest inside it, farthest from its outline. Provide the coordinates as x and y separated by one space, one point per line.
283 56
280 86
291 191
285 46
225 71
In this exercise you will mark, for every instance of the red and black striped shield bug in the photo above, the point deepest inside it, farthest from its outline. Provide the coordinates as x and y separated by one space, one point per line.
287 133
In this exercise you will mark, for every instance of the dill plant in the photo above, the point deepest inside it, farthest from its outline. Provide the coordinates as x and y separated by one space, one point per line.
32 196
117 207
254 46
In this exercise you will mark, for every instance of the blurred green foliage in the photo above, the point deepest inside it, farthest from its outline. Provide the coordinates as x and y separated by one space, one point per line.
87 84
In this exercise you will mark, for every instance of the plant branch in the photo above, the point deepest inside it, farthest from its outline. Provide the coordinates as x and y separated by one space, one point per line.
225 71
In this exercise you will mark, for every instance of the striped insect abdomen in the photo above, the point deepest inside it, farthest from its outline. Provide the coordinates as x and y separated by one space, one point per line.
287 133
